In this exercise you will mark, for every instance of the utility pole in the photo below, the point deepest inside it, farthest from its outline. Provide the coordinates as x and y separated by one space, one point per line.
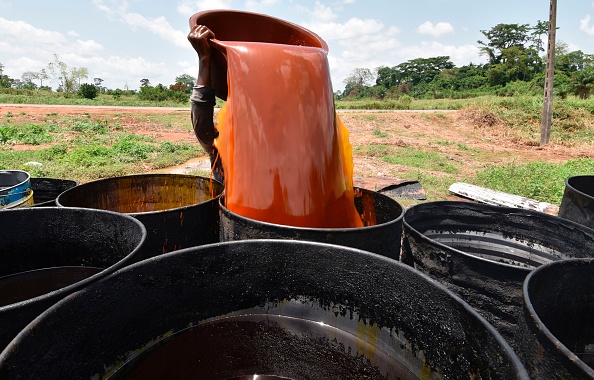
547 107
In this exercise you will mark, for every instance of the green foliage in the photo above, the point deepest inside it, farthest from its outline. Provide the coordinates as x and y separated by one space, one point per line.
159 93
537 180
88 91
406 156
581 82
29 133
378 133
129 149
187 80
87 125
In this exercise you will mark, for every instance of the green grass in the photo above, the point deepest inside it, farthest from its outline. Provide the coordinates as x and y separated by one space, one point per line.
379 133
537 180
406 156
46 97
28 133
83 149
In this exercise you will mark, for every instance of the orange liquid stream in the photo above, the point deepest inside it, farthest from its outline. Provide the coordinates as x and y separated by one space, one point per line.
285 153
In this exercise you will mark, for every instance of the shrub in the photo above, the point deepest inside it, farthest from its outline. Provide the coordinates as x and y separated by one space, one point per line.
88 91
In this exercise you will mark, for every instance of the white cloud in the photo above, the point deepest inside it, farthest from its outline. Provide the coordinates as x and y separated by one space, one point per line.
72 33
158 25
88 47
189 7
459 55
352 28
28 34
16 67
439 29
257 4
585 25
19 37
7 48
323 13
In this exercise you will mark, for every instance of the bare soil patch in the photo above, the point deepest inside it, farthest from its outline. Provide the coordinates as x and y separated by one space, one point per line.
472 139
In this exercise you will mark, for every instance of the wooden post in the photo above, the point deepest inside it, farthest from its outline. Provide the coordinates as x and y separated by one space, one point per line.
547 107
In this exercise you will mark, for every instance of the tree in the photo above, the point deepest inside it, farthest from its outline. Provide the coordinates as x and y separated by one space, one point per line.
88 90
420 70
5 81
178 87
145 83
385 76
188 80
68 78
501 37
361 76
540 29
574 61
357 81
582 82
27 79
42 75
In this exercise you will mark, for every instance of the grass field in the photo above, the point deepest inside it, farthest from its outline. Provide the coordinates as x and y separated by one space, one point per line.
490 141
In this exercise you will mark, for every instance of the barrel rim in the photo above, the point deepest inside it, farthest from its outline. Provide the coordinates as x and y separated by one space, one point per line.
242 218
147 175
527 304
587 196
194 18
514 360
64 291
8 189
493 208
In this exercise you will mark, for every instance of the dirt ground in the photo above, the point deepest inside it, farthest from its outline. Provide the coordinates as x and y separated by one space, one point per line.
484 139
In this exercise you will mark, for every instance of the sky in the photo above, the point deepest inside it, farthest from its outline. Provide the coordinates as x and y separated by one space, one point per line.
124 41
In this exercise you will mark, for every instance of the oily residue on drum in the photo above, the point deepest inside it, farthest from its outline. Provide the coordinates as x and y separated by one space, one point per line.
286 155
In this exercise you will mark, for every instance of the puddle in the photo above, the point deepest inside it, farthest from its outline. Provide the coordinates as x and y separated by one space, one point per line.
191 166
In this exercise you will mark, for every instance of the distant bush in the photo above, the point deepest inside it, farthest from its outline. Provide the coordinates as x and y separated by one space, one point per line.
88 91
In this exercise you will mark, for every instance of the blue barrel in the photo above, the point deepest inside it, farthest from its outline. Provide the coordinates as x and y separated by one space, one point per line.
15 188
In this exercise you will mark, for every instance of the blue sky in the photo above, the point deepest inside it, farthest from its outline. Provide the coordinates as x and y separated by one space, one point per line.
123 41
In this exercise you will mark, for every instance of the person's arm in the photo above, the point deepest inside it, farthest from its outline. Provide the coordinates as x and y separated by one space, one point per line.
203 97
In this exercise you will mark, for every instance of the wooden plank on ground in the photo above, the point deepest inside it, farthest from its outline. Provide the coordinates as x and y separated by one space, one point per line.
499 198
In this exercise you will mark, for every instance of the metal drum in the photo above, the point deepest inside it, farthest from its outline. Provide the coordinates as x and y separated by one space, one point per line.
15 189
381 215
279 309
483 253
46 190
577 203
178 211
556 328
48 253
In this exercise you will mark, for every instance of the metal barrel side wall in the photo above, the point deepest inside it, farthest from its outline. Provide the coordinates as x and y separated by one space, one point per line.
383 237
517 241
46 190
178 211
577 203
556 326
393 308
34 239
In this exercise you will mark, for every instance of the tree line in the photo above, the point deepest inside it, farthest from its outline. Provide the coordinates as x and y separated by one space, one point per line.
514 65
69 80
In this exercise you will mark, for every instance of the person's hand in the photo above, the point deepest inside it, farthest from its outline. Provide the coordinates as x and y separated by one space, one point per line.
198 37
